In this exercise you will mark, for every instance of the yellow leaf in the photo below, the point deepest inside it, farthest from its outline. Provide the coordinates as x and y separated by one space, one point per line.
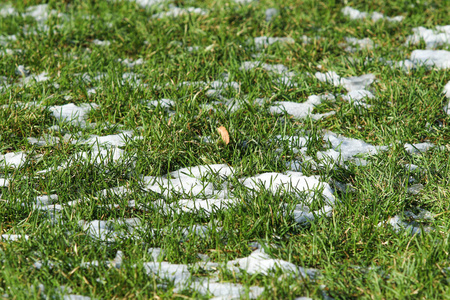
224 134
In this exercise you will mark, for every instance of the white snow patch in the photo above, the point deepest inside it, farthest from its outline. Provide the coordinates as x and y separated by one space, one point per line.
14 237
355 14
101 43
164 103
271 13
130 63
432 37
148 3
113 140
365 43
446 92
418 148
350 83
72 113
301 110
7 10
13 159
434 58
110 230
264 41
357 97
259 262
35 79
44 140
4 182
189 181
344 148
291 182
413 227
175 12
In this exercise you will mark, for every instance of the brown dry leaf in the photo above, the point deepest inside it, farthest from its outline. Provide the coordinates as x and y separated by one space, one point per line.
224 134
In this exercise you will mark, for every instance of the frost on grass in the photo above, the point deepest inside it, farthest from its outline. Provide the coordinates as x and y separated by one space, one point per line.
432 37
302 110
355 14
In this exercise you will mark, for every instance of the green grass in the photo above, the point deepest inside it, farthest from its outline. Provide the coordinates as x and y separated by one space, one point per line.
355 253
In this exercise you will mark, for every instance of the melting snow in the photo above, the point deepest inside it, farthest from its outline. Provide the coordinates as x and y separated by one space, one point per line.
72 113
113 140
13 159
357 97
264 41
432 37
446 92
4 182
291 182
176 12
344 148
302 110
350 83
271 13
14 237
435 58
355 14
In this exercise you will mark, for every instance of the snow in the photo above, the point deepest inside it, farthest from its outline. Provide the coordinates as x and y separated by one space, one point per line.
434 58
350 83
446 92
344 148
101 43
112 140
72 113
4 182
264 41
357 97
44 140
13 159
291 182
130 63
7 10
13 237
355 14
301 110
175 12
271 13
432 37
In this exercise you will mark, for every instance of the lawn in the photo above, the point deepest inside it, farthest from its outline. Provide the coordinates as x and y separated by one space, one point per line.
228 149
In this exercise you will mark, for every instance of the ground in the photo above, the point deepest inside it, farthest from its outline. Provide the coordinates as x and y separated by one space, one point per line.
224 149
